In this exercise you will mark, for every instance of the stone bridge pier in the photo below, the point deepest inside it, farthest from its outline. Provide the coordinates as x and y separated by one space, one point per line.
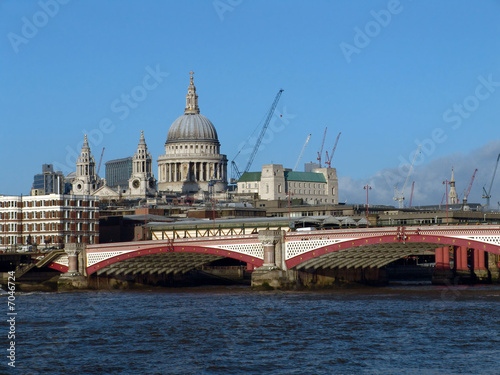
273 272
75 277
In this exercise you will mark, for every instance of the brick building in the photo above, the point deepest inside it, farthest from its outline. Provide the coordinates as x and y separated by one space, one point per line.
48 220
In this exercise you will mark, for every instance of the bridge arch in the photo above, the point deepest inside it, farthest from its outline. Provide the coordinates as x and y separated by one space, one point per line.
401 239
211 253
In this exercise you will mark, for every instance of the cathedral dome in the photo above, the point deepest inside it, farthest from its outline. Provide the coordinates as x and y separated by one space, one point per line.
192 127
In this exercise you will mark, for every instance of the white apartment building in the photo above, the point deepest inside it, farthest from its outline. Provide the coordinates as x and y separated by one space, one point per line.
48 220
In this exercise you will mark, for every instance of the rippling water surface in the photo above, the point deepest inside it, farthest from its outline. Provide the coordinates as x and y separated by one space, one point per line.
405 330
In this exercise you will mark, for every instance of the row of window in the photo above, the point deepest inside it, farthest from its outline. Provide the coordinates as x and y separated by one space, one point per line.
294 191
8 227
308 192
47 203
47 215
291 184
41 215
195 147
45 227
80 203
8 215
79 214
306 185
7 204
13 240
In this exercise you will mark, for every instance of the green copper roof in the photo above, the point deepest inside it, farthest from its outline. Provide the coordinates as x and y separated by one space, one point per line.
304 176
250 176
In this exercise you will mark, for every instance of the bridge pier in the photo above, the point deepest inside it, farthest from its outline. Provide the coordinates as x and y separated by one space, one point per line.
462 268
73 278
442 275
273 272
475 265
480 271
494 267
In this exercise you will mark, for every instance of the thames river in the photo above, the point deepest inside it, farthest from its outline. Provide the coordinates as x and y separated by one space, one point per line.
231 330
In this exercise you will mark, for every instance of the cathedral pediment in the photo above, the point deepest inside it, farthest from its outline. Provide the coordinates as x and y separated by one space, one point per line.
106 192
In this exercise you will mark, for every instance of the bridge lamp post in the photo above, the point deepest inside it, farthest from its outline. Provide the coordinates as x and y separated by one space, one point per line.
445 183
367 187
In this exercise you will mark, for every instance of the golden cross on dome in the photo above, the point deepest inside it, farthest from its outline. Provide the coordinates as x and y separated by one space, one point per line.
191 72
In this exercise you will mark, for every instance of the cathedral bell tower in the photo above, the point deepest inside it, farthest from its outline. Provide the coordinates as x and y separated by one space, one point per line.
85 182
142 182
452 195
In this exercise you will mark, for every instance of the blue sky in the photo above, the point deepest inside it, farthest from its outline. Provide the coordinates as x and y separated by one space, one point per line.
389 75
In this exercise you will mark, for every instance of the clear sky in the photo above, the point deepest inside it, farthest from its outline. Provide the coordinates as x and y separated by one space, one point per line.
389 75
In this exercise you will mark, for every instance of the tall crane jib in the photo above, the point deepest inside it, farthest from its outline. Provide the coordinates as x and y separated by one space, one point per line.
263 131
320 152
236 174
399 195
100 161
302 153
330 157
487 194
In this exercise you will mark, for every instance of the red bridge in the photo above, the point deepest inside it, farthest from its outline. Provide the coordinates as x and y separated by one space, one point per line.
325 252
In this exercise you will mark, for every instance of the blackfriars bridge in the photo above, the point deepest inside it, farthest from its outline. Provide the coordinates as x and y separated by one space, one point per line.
278 257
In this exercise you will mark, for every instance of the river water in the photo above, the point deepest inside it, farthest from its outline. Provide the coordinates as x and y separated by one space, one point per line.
232 330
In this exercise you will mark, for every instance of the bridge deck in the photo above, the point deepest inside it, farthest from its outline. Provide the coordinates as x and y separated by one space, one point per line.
352 247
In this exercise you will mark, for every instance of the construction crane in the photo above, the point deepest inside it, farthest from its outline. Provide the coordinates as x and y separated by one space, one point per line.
302 152
411 194
320 152
399 196
235 172
100 161
329 158
487 194
466 193
213 180
234 167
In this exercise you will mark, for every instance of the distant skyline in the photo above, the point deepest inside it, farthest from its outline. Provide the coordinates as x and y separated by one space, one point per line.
390 75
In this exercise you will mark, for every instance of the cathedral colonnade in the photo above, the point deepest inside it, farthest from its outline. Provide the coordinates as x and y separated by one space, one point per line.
192 171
